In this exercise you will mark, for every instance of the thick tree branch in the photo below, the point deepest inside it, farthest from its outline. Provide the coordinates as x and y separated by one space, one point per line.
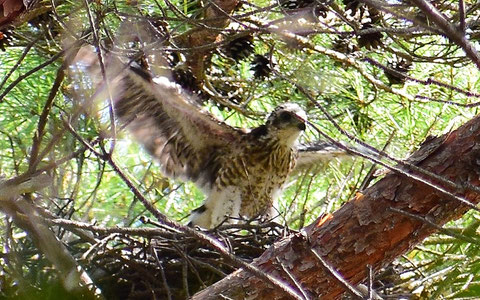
16 12
368 230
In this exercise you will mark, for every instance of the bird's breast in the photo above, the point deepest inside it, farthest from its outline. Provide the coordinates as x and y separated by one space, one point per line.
259 171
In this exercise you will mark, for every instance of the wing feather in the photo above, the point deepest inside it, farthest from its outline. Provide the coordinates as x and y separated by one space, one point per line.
171 126
316 153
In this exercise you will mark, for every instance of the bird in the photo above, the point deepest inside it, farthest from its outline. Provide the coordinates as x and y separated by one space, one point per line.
241 171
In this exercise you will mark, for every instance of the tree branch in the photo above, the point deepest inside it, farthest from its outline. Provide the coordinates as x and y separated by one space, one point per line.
216 15
451 31
368 230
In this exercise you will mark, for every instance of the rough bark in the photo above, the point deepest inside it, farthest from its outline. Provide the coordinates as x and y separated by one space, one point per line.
17 12
10 9
366 231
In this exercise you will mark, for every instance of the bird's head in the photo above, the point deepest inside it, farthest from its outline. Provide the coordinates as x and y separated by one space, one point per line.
287 121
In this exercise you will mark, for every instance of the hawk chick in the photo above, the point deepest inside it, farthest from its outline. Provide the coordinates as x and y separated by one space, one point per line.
240 171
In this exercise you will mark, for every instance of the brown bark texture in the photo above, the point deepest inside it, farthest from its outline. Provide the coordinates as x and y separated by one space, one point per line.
16 12
10 9
365 231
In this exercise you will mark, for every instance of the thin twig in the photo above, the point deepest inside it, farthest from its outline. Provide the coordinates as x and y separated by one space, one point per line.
292 278
19 62
449 30
30 72
337 276
381 154
202 236
42 122
101 56
162 274
185 278
370 282
445 231
461 14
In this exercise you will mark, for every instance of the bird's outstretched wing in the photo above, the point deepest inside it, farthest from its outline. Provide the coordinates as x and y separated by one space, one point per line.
170 125
316 153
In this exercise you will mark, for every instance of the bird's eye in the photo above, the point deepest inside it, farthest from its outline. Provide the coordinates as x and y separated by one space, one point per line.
285 116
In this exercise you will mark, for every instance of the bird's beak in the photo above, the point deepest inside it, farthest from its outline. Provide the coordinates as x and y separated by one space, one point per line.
301 124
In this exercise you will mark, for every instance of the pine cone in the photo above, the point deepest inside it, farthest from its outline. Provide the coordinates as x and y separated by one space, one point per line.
239 48
352 6
364 12
344 45
295 4
316 9
261 66
370 40
402 66
186 80
5 39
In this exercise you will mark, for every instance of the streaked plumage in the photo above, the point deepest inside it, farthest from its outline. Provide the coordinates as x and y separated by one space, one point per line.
240 171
